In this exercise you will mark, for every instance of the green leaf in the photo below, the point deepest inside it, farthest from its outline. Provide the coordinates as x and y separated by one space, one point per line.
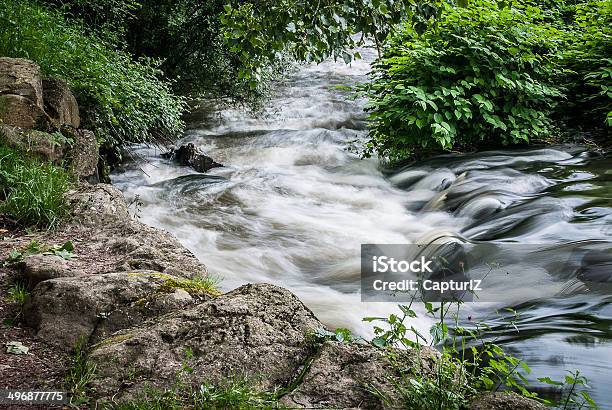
16 347
549 381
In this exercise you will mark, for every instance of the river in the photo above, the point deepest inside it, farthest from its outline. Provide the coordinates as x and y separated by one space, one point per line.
293 205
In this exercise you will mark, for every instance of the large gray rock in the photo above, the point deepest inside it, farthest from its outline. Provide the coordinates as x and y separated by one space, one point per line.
343 376
505 401
38 268
255 331
21 77
60 103
65 310
108 239
85 155
22 112
98 206
37 143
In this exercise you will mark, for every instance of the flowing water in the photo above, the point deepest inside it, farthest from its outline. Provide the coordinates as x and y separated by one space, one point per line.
292 207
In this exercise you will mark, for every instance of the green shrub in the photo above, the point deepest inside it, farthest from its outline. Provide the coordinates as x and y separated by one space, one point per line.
32 192
480 75
122 99
588 63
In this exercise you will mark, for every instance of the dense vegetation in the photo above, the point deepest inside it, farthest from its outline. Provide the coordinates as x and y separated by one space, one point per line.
122 99
450 75
491 74
31 192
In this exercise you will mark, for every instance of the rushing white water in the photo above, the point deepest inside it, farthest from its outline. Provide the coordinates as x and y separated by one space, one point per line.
292 207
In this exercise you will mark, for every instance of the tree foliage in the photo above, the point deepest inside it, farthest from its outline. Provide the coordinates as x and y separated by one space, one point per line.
482 74
588 63
259 32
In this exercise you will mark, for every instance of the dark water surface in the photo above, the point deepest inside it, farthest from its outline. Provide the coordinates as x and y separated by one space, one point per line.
292 207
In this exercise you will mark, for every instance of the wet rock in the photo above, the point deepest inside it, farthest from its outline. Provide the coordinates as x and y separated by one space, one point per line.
38 143
505 401
190 155
22 112
340 375
85 155
60 104
22 78
38 268
255 331
64 310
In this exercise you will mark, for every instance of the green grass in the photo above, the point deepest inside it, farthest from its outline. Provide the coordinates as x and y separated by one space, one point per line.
80 374
18 293
198 285
31 191
236 394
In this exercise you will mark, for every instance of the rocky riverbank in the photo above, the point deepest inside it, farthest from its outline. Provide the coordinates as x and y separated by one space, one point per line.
145 314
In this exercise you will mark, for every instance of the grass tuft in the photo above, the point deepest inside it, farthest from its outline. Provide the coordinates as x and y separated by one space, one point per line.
80 374
31 191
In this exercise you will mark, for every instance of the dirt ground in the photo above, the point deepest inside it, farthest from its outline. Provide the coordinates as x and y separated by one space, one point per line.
42 368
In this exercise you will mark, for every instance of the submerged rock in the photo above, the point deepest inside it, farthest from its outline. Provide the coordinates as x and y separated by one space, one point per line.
190 155
256 331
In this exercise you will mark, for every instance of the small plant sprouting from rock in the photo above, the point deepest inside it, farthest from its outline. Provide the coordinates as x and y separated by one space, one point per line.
137 204
467 365
341 335
80 374
202 284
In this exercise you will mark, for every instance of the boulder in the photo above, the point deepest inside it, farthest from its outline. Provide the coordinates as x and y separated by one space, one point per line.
60 103
85 155
21 77
22 112
505 401
38 268
98 206
38 143
342 376
190 155
65 310
258 332
117 242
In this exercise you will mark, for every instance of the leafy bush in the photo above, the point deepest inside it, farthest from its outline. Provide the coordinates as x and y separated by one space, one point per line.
122 99
480 75
184 35
588 63
31 191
